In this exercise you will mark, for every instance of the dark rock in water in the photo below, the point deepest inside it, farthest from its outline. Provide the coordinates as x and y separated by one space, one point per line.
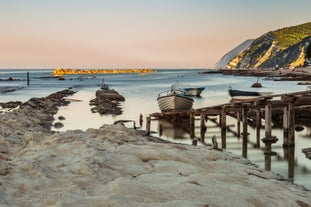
11 104
299 128
307 152
108 94
7 89
106 102
61 118
58 125
256 85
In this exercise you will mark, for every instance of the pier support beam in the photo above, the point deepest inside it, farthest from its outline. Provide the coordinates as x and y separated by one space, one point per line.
291 123
289 155
140 119
223 127
148 123
192 125
258 127
285 126
28 79
268 124
269 139
238 115
245 133
203 128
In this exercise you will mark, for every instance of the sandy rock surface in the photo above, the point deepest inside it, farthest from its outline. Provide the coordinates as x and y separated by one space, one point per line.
117 166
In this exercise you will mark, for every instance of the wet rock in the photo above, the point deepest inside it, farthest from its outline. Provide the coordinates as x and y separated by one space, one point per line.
11 104
107 102
58 125
307 152
299 128
117 166
61 118
37 114
109 94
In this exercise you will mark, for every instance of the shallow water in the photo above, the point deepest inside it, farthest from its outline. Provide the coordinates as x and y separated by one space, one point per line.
140 92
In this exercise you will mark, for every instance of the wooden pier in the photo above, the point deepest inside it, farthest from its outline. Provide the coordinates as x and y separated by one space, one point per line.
250 112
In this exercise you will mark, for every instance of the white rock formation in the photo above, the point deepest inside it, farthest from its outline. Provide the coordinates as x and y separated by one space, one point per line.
222 63
116 166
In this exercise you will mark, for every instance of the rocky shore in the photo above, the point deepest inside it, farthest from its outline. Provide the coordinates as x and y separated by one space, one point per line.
117 166
298 74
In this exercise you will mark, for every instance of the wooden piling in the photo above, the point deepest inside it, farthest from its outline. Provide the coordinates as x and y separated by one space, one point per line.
291 124
240 110
202 127
290 156
238 114
285 126
28 80
268 114
245 133
192 125
223 127
269 139
148 123
258 127
140 119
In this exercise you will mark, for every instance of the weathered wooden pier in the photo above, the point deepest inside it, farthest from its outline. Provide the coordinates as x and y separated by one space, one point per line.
246 113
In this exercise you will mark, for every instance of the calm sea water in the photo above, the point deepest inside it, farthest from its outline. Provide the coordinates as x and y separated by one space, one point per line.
140 92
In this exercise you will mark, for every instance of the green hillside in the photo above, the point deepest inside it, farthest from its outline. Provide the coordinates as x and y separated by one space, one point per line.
286 47
289 36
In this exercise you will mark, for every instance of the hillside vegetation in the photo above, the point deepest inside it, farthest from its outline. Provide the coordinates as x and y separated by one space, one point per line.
286 47
289 36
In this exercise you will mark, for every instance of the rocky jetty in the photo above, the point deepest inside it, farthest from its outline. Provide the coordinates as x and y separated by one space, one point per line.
8 89
107 101
117 166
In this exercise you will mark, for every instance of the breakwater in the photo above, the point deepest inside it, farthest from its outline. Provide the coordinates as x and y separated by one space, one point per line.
69 71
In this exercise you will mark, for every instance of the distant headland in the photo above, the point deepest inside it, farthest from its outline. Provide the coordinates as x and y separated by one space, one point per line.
69 71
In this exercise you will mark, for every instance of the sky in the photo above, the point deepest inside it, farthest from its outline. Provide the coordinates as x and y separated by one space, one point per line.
135 33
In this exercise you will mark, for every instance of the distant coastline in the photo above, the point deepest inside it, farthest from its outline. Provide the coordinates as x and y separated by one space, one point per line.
297 74
69 71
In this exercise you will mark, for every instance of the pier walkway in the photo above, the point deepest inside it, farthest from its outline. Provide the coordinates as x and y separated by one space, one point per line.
288 106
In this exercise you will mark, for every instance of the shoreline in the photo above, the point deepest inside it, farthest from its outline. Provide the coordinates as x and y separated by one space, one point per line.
297 74
114 165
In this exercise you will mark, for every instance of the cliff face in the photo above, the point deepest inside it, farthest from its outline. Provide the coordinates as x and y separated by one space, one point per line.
222 63
286 47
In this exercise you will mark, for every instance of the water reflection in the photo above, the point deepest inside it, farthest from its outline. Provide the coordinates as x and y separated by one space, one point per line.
174 128
288 161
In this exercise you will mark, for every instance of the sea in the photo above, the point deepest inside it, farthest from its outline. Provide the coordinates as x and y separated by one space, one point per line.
141 91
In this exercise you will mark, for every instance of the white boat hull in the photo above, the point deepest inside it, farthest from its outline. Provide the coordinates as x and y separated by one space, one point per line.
188 89
193 91
174 102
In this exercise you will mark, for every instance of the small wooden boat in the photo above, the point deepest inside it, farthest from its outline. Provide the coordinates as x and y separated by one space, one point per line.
188 89
238 95
233 93
174 100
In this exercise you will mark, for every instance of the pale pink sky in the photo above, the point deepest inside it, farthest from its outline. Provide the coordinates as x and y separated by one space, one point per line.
135 33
